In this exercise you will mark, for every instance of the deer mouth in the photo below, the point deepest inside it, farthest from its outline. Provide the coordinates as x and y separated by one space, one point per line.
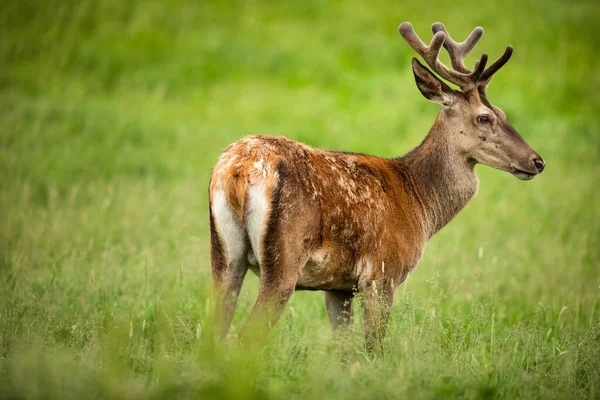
522 175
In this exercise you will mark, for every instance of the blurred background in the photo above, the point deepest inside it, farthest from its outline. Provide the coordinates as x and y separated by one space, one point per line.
112 115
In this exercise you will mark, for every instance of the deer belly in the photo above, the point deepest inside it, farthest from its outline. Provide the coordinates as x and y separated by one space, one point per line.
321 272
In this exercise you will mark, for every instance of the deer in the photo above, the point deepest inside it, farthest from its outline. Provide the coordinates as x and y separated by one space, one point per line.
349 224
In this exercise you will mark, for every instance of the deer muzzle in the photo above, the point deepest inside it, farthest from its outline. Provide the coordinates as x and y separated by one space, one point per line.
535 166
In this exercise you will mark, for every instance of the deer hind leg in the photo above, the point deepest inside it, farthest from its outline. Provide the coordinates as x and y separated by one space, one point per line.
279 271
277 242
339 309
229 248
274 292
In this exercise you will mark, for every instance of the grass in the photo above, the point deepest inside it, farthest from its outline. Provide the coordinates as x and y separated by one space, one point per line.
112 115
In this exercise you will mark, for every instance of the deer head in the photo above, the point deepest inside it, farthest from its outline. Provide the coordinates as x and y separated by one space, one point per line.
475 128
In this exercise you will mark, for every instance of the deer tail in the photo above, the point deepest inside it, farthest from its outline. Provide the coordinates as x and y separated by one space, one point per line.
235 186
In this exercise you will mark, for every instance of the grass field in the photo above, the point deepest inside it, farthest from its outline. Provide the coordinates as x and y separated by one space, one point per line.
113 113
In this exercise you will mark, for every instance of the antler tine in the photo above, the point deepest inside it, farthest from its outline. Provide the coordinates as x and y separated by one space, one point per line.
429 53
486 75
466 79
458 51
479 67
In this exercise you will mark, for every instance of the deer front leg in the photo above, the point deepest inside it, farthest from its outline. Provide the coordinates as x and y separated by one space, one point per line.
339 309
377 300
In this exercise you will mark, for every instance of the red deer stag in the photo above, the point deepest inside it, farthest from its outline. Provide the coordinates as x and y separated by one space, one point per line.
309 219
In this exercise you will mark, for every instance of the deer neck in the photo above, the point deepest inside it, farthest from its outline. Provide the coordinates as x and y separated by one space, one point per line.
444 180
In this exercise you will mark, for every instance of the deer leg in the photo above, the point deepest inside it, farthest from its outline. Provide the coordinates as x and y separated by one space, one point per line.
339 309
282 258
228 249
282 241
227 290
377 304
276 288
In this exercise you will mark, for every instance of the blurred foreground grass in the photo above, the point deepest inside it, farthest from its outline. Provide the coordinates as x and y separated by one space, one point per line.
113 113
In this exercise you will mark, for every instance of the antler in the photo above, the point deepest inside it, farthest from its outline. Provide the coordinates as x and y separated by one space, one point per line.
458 51
460 75
486 76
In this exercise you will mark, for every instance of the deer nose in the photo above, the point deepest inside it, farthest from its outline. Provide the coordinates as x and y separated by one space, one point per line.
539 164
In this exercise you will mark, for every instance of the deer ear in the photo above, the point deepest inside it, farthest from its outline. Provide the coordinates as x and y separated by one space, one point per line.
431 86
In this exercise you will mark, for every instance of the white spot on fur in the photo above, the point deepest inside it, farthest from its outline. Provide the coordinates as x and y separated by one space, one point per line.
364 267
258 206
259 166
318 256
230 232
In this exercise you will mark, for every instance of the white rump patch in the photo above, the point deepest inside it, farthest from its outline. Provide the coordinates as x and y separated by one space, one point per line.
258 207
231 233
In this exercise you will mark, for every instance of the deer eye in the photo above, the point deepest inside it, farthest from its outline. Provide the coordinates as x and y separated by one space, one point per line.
483 119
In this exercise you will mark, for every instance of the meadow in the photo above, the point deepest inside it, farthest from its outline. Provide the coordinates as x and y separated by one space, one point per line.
112 115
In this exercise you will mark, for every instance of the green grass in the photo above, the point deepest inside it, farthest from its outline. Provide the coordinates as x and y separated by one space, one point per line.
113 113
